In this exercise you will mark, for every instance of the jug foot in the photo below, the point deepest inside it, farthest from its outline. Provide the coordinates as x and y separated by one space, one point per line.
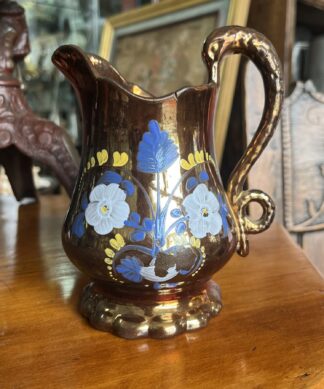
159 319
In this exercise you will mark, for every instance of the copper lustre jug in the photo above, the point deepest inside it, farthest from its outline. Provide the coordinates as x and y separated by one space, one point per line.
150 221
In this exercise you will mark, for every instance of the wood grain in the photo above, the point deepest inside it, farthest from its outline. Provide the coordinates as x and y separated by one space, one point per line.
313 244
270 333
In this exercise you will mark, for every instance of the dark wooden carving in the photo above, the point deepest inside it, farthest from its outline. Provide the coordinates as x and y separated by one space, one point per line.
297 153
20 128
303 159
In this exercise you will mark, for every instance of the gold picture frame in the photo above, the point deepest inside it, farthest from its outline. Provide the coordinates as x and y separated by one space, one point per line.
149 16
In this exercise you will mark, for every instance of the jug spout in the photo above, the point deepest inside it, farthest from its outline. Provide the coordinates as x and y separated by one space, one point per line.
76 66
83 69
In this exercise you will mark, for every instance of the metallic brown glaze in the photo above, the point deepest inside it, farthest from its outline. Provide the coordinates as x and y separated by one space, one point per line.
115 117
119 118
258 48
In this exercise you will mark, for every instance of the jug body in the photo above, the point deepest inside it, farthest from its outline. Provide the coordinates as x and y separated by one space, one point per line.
150 221
150 209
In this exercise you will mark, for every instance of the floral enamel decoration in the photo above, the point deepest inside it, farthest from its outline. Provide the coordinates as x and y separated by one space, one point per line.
202 207
130 268
201 213
156 152
120 159
107 208
78 226
102 157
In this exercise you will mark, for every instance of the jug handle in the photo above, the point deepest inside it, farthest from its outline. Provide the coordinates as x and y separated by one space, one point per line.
246 41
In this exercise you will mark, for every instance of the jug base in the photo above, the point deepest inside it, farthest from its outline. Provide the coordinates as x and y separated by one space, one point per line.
159 319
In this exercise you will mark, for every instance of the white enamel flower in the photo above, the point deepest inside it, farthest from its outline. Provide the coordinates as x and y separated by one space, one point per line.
148 273
202 208
107 208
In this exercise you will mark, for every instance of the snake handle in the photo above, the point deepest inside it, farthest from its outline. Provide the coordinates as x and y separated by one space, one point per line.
246 41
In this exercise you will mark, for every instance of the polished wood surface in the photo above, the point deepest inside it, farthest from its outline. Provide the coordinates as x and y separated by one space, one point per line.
270 333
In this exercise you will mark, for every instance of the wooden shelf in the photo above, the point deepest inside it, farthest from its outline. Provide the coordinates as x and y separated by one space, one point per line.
270 333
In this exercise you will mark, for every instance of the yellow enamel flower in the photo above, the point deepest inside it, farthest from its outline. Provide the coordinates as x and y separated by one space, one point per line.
199 156
102 156
193 160
109 252
120 159
195 242
117 243
209 157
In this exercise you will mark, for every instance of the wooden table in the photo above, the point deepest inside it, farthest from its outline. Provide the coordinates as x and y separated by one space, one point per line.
270 333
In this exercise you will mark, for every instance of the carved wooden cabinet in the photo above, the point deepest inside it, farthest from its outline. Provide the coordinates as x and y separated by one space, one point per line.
302 131
24 136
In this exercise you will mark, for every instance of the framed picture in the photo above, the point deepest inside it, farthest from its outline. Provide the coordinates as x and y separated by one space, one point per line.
158 47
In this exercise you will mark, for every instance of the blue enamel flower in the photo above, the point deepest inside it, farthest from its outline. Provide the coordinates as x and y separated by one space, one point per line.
78 225
78 228
156 151
223 212
130 268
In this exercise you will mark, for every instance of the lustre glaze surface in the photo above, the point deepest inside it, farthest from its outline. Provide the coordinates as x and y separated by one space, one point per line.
168 239
150 221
